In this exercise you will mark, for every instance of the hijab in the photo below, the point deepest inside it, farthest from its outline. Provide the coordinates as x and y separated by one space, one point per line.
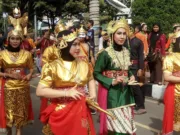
155 36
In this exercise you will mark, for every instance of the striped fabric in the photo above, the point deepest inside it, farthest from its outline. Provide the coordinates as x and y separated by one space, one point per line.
123 123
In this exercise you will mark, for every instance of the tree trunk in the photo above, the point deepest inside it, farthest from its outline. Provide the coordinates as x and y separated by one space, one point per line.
94 15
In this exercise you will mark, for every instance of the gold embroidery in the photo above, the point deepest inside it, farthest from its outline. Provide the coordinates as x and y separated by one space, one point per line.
177 114
17 107
123 56
59 107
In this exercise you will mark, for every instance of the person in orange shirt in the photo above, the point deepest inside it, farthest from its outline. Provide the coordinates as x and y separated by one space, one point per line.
143 38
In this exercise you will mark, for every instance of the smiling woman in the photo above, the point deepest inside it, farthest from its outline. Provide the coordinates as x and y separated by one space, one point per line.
15 92
63 82
113 74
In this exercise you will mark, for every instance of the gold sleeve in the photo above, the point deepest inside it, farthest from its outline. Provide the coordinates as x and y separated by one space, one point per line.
46 75
50 54
30 62
168 64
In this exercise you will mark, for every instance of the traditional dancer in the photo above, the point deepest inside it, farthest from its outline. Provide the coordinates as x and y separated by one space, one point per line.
63 81
171 68
112 72
15 104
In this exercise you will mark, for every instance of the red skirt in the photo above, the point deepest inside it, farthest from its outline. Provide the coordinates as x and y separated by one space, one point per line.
73 119
168 110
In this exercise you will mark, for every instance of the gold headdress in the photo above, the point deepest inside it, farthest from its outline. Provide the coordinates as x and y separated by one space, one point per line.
68 38
59 27
82 30
114 25
176 25
16 11
15 33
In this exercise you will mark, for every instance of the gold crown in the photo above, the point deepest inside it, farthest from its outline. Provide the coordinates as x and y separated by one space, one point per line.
16 11
70 37
82 30
59 27
15 33
114 25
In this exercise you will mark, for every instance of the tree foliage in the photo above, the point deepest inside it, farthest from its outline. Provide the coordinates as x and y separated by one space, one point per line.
166 12
107 12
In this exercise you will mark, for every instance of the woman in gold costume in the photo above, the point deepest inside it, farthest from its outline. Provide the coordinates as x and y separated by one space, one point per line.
63 82
171 70
15 101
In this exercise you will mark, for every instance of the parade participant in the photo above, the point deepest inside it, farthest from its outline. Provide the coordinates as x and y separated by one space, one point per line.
143 38
90 35
113 73
171 70
51 53
137 67
42 44
19 22
15 94
157 41
105 40
86 52
176 28
63 81
144 30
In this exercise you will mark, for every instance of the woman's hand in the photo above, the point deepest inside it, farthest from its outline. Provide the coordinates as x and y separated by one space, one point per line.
27 77
92 97
119 79
74 93
132 78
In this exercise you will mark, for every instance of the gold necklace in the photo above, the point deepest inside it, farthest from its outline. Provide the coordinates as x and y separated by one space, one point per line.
13 56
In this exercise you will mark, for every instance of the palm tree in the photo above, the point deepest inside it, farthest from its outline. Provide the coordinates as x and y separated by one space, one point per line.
94 15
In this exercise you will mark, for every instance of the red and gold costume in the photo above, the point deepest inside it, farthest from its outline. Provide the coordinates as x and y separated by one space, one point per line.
64 115
171 119
16 93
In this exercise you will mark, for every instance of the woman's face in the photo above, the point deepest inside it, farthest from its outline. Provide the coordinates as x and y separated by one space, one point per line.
75 48
15 41
120 36
144 28
156 28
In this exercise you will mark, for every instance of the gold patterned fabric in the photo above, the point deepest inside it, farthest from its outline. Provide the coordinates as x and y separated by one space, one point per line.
17 107
17 95
171 64
61 73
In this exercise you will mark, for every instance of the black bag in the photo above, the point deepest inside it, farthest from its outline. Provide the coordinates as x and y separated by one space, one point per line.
153 56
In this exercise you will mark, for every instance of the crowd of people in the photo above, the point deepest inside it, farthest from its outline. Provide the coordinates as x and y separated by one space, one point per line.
69 68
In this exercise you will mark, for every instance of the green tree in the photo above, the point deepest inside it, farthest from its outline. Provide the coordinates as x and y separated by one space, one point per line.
166 12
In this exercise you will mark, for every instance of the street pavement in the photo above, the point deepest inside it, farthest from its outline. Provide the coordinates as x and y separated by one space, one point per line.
147 124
